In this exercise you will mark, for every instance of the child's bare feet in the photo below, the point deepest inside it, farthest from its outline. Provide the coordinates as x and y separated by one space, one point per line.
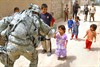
76 39
88 49
65 57
59 58
71 38
85 48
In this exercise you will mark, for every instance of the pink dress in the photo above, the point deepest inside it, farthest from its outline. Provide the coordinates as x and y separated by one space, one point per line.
60 42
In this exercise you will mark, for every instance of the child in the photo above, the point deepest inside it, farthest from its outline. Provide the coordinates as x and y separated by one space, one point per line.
70 23
92 11
16 9
86 10
66 12
47 18
75 28
61 41
91 33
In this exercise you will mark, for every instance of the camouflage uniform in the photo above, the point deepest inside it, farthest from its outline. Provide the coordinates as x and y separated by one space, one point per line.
23 37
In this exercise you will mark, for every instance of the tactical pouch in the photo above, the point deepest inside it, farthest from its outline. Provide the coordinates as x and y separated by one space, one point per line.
42 38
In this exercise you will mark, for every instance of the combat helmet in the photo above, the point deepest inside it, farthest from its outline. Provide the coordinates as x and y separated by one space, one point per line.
35 8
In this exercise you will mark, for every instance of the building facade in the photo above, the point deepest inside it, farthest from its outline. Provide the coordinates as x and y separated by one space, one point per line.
55 6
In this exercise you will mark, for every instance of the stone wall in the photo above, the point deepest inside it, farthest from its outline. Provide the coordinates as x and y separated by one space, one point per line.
55 6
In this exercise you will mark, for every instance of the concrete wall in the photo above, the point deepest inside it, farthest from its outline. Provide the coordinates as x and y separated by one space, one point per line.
7 6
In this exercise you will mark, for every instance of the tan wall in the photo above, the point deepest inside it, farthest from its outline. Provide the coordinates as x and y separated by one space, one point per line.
7 6
56 8
84 2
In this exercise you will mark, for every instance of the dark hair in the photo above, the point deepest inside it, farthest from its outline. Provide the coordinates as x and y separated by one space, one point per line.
16 8
94 26
76 1
62 27
92 3
77 17
44 6
66 4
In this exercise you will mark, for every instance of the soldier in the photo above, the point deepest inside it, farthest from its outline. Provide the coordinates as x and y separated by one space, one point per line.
24 36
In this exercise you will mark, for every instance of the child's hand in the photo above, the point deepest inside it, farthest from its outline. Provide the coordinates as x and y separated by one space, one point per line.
54 35
84 37
65 45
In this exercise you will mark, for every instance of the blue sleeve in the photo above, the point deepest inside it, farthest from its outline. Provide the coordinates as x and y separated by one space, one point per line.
72 22
68 22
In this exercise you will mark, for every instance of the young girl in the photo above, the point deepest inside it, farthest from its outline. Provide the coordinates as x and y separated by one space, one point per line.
75 28
91 33
70 23
61 42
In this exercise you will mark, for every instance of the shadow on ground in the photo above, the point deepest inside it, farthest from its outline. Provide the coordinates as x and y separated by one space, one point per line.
96 21
40 51
69 60
80 39
93 21
95 49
